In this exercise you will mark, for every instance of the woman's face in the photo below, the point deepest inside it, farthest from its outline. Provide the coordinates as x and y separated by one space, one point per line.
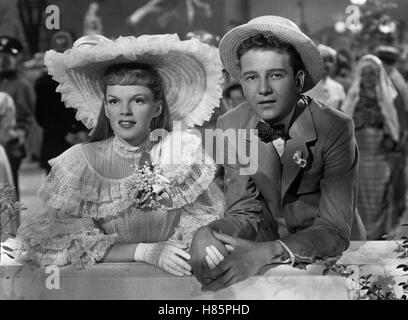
369 77
130 110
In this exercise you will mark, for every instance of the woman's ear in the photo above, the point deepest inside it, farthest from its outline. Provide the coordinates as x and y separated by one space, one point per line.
159 108
300 80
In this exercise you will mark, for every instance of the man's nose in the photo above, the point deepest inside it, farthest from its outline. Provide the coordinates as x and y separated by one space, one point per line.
264 87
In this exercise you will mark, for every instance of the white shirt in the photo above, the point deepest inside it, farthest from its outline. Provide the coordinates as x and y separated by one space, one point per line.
279 145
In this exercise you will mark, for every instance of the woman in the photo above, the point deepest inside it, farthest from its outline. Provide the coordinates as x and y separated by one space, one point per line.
137 191
370 102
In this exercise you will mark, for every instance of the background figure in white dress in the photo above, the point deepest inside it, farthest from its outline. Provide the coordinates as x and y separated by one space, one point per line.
328 90
7 124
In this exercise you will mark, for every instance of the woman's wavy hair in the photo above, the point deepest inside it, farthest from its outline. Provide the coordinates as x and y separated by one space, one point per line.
129 74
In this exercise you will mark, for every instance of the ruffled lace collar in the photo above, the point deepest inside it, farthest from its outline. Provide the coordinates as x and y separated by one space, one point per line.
126 150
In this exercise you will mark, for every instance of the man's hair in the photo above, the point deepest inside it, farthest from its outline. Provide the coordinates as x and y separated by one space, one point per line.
263 42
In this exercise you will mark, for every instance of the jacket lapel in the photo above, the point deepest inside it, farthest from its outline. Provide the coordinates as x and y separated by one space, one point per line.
301 132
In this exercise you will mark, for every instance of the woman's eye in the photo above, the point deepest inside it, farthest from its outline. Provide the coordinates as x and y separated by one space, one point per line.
138 101
113 101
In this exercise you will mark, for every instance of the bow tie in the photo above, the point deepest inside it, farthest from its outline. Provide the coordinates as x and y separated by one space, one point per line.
268 133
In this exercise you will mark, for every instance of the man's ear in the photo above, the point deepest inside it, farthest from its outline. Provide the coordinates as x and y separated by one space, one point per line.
300 80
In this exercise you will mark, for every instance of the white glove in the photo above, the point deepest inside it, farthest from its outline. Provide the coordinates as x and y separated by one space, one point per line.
214 257
167 255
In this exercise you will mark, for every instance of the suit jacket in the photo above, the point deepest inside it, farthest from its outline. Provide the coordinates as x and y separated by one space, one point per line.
54 118
312 209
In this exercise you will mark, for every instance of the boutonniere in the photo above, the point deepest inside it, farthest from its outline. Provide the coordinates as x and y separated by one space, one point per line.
297 157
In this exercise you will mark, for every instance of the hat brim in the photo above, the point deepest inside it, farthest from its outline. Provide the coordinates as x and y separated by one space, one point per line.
306 48
191 72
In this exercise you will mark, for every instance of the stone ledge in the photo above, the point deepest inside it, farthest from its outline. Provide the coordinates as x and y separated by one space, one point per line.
142 281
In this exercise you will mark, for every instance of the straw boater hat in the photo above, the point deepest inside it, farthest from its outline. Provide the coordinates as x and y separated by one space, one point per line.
284 30
191 72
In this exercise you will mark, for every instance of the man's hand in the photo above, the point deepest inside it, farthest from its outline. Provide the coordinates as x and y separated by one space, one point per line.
21 135
203 238
246 259
75 138
70 138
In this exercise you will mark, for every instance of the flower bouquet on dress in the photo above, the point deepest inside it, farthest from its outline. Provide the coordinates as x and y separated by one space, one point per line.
149 188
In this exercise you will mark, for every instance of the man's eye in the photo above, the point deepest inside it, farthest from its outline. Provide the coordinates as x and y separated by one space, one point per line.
250 78
276 76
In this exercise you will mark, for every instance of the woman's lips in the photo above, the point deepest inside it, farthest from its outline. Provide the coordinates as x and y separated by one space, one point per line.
126 124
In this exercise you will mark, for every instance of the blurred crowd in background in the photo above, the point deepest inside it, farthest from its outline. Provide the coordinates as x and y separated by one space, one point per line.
36 126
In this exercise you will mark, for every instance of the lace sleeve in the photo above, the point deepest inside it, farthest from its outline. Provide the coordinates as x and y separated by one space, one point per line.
209 206
60 189
51 238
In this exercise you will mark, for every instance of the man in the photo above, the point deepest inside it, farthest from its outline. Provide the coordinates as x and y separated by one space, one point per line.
233 95
60 128
328 91
300 205
23 95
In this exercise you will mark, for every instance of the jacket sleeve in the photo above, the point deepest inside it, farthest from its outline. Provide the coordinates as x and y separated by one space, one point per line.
244 208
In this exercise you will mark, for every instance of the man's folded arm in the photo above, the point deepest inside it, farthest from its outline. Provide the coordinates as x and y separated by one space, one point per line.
244 208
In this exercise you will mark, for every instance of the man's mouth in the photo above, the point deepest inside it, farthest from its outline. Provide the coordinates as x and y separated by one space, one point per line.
126 124
266 102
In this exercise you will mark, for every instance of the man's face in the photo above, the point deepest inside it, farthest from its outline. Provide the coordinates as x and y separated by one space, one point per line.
236 97
8 62
269 83
328 65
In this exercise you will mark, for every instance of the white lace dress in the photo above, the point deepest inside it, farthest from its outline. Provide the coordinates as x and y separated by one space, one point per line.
87 207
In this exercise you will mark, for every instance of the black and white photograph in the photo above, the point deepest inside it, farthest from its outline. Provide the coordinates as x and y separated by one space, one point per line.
208 151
